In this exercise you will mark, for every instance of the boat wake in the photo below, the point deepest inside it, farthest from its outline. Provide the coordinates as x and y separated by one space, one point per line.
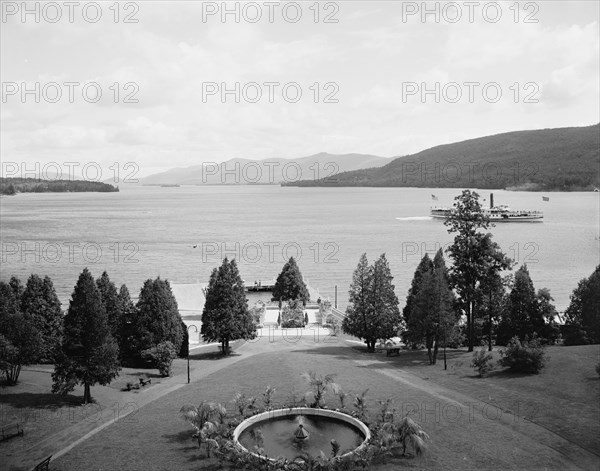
415 218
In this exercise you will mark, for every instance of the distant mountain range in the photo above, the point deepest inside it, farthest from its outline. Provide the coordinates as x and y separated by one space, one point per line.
561 159
264 172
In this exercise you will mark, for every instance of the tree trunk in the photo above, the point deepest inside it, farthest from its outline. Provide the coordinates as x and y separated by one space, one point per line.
490 334
87 395
470 325
429 344
435 350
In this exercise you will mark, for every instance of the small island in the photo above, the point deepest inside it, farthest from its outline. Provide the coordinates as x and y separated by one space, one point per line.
12 186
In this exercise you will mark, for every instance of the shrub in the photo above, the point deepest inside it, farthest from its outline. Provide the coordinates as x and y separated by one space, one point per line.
574 334
482 362
525 357
162 356
292 323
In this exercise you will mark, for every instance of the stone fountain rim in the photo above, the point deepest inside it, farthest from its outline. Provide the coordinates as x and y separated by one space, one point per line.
275 413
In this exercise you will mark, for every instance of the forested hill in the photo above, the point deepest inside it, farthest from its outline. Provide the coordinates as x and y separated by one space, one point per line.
10 186
562 159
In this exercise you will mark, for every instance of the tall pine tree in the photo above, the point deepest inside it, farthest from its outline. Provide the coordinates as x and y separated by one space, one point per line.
89 354
40 301
432 318
522 316
126 328
425 265
289 285
583 313
226 316
373 312
110 300
158 319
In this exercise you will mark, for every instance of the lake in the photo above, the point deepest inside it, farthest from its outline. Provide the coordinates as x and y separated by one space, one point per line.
143 232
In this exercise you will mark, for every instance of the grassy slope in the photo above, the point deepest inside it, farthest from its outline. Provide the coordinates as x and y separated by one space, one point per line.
562 158
158 439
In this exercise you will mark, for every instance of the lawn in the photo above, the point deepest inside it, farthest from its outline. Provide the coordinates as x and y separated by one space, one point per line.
474 423
44 415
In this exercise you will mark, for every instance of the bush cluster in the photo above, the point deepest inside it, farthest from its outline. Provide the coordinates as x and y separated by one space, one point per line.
292 323
525 357
482 362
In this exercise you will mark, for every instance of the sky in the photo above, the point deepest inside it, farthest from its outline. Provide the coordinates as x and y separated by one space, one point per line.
383 78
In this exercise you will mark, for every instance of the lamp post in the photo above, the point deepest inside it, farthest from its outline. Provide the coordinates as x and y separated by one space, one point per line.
188 352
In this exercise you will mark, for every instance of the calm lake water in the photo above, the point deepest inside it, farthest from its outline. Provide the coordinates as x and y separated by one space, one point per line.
143 232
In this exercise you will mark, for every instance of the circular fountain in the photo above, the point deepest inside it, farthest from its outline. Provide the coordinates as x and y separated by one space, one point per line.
295 431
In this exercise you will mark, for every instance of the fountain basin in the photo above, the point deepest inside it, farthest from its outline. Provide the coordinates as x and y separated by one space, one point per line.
278 427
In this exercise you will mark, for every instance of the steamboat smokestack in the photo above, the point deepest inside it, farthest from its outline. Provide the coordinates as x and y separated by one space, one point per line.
491 200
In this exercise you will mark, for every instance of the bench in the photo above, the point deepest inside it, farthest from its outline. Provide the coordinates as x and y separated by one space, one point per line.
43 466
390 350
11 430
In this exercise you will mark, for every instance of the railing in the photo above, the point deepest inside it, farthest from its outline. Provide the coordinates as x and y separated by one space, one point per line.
339 315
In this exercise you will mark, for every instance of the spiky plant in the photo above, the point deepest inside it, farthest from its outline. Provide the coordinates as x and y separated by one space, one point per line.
205 419
319 385
268 396
411 434
386 412
361 406
340 393
242 403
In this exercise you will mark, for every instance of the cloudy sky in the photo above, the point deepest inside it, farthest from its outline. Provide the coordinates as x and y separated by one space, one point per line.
361 68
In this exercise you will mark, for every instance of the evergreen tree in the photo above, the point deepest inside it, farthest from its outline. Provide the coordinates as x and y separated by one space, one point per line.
475 257
290 285
425 265
547 310
127 327
489 305
184 350
432 317
522 316
20 340
226 316
17 287
89 354
583 313
157 318
358 320
40 301
110 300
373 311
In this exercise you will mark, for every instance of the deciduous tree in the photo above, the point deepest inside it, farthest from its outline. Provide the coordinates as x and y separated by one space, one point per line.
474 256
20 340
